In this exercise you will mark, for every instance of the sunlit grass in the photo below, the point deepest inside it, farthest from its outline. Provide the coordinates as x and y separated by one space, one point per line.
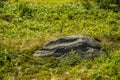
25 27
46 1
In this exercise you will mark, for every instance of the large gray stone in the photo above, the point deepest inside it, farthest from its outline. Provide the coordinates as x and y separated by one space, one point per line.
83 45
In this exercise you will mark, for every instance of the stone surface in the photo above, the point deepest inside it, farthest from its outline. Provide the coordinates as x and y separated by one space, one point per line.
83 45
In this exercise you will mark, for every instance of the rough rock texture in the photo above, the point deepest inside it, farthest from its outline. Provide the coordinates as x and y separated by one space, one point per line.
84 46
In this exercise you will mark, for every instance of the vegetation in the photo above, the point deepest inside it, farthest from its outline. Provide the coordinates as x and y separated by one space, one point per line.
108 3
27 25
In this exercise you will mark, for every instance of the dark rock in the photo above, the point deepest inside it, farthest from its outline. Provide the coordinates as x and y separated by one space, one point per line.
84 46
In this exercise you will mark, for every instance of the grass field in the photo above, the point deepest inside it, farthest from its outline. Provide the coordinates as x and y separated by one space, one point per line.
45 1
25 27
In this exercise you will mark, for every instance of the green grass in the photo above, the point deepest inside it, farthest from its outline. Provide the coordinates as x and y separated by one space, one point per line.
24 27
45 1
